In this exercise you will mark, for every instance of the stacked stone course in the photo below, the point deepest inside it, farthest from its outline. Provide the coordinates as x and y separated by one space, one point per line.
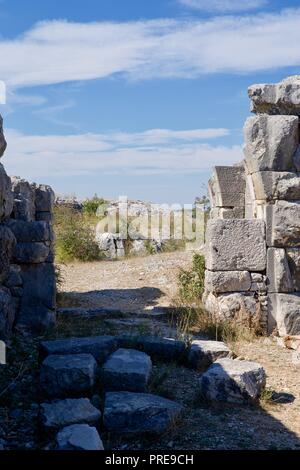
253 258
27 273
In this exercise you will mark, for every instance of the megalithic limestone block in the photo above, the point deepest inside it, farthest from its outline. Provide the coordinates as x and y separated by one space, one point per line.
227 186
235 245
283 224
6 195
272 185
2 139
293 256
284 313
270 142
278 271
227 281
279 98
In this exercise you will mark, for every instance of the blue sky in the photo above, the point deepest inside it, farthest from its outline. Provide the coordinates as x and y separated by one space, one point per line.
136 97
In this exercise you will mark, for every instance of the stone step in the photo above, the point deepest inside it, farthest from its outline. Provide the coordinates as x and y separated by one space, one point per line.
203 353
165 349
158 313
138 413
61 413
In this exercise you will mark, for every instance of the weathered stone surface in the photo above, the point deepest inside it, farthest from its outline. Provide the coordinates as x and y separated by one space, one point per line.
60 413
7 247
284 311
27 232
98 346
138 413
79 437
227 187
128 370
293 256
44 198
227 213
247 252
203 353
278 271
24 199
270 185
166 349
271 142
228 306
44 216
227 281
138 247
6 195
31 253
279 98
68 375
2 139
7 312
14 278
39 298
233 381
283 224
110 245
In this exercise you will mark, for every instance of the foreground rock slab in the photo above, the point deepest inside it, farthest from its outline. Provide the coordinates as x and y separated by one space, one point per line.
203 353
134 413
79 437
68 375
165 349
127 369
61 413
233 381
98 346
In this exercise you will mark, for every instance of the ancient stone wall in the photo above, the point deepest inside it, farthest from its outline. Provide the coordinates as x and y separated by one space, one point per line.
253 257
27 274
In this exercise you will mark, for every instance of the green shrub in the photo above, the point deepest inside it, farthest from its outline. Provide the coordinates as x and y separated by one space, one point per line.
90 206
191 282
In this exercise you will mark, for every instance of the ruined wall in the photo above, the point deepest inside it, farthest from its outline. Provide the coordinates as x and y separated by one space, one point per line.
27 274
254 264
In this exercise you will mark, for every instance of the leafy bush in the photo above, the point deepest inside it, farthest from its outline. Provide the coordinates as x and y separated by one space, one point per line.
90 206
75 238
191 282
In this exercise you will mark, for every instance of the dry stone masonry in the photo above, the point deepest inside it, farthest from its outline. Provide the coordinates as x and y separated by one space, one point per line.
27 275
253 235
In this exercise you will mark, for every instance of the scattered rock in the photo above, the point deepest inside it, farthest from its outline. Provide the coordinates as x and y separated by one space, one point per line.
60 413
203 353
79 437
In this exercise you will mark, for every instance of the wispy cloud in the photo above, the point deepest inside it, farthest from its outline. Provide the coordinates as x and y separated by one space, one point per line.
150 152
60 51
224 6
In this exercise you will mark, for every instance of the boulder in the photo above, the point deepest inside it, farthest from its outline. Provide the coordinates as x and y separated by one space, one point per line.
270 185
165 349
247 253
68 375
231 305
139 413
24 199
44 198
31 253
60 413
27 232
7 247
203 353
278 271
79 437
6 194
284 313
127 369
100 347
293 256
233 381
7 312
2 139
271 142
283 224
278 98
227 281
37 310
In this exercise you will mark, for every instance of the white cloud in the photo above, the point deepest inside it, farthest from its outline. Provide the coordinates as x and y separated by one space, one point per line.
58 51
151 152
224 6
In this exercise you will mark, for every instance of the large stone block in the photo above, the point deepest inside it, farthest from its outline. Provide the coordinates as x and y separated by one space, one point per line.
233 381
37 310
139 413
7 312
278 271
293 256
203 353
79 437
31 253
164 349
72 375
24 199
233 305
227 187
7 247
2 139
14 278
284 312
227 213
27 232
60 413
128 370
227 281
44 198
235 245
6 194
283 224
279 98
270 185
271 142
99 346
